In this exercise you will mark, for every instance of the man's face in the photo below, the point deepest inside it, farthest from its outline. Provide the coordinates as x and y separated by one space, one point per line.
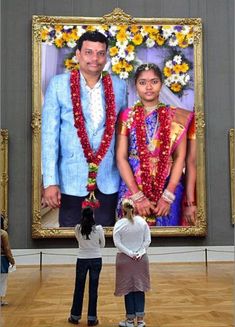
92 57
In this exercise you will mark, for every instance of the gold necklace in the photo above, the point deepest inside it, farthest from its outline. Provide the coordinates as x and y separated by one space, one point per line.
150 109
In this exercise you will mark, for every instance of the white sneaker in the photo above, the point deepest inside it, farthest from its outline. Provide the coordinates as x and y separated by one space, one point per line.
140 324
126 323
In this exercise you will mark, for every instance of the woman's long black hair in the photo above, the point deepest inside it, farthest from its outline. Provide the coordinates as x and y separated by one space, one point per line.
87 222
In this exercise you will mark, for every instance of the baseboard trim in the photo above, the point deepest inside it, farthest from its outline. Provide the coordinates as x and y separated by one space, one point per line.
156 254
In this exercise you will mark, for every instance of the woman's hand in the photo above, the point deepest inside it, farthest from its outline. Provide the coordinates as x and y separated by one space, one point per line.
162 208
189 214
144 207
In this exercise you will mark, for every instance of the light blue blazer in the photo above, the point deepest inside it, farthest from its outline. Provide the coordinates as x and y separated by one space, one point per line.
63 161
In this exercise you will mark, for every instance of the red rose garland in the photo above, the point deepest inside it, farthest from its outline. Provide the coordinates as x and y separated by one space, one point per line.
93 158
153 186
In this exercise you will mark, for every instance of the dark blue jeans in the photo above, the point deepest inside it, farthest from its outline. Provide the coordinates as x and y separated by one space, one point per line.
83 266
134 303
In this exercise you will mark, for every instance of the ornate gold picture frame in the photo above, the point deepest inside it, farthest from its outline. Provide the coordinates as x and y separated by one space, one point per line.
232 171
180 33
4 175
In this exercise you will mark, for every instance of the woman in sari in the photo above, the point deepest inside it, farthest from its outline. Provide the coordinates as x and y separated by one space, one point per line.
151 148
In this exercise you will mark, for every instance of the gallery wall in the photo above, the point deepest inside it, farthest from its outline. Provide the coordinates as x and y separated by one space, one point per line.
16 104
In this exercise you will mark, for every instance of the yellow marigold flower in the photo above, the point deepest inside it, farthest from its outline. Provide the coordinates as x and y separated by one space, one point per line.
116 68
130 48
184 67
129 68
105 27
66 37
148 28
113 51
58 28
137 39
68 63
176 87
167 71
153 35
122 28
159 39
121 36
74 35
44 34
59 43
177 68
134 29
180 37
183 44
91 28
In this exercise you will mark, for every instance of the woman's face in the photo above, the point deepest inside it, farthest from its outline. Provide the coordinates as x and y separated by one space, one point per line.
148 86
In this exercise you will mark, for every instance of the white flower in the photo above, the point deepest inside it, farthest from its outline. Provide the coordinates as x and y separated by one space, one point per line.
115 60
167 82
175 78
71 44
80 30
130 56
182 79
122 53
167 31
122 44
58 35
67 27
124 75
185 30
75 59
150 43
190 40
169 64
113 30
143 32
101 30
187 78
173 41
177 59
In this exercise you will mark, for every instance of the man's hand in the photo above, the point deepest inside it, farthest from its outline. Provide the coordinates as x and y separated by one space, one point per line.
52 196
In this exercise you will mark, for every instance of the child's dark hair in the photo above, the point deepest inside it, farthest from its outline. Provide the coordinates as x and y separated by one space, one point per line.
92 36
150 66
87 222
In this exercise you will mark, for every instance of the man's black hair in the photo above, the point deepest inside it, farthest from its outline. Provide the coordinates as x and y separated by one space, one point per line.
94 36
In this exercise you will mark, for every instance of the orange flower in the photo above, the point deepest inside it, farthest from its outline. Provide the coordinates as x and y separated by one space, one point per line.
90 28
184 67
137 39
117 68
177 68
167 71
121 36
134 29
113 51
59 42
130 48
176 87
44 34
58 28
159 39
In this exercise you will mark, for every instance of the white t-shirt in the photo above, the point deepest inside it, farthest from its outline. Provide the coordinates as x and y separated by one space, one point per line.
90 249
131 237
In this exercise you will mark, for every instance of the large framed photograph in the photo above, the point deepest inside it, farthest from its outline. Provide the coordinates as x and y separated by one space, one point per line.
175 46
4 175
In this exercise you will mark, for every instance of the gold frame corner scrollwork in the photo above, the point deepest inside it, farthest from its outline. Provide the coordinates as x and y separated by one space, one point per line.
4 175
117 16
232 171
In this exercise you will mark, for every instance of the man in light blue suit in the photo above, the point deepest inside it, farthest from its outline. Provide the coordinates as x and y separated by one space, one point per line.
64 162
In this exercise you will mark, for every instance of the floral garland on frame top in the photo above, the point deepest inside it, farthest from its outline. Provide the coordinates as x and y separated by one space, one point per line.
153 185
123 40
93 158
